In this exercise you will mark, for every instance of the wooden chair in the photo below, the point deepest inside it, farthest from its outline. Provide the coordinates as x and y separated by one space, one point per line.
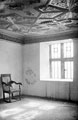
7 86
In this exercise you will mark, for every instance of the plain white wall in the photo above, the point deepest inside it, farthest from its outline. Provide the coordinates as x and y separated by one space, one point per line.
53 89
11 60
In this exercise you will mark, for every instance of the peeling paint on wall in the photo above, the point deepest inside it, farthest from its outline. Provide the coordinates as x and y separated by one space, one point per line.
30 76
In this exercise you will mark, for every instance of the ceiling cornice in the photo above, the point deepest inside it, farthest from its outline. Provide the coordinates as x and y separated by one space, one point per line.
37 39
60 36
13 39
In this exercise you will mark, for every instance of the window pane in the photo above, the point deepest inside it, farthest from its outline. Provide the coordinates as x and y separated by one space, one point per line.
55 50
68 49
56 69
69 70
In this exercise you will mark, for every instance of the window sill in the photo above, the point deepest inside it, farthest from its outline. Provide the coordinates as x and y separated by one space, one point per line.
57 80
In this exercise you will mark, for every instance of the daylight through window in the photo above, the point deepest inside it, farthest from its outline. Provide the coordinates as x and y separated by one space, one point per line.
56 60
61 60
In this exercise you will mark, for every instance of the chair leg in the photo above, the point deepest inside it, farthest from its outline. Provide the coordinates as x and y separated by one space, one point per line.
9 97
12 95
20 95
3 96
19 92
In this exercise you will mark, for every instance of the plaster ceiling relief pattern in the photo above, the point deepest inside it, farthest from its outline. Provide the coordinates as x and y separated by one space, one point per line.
59 3
53 17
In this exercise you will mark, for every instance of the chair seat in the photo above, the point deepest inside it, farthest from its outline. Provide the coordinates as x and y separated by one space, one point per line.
14 90
11 90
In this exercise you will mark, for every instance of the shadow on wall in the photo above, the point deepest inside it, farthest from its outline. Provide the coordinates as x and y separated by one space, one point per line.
0 88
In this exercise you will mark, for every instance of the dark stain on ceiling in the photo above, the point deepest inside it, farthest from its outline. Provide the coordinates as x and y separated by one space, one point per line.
36 18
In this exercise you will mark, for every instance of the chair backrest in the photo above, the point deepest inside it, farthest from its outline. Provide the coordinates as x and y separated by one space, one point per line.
5 78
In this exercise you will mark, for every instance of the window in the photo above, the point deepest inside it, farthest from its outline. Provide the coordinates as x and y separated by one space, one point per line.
56 60
61 60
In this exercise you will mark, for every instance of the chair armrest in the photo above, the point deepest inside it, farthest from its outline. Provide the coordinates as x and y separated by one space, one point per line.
7 84
11 82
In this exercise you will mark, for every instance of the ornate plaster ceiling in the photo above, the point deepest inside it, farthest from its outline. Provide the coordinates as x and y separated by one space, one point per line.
20 18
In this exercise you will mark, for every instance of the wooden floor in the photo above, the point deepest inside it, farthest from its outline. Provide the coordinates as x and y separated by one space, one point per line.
30 108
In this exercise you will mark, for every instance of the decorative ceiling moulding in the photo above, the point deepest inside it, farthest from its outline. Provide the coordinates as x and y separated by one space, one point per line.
31 18
9 38
38 39
60 36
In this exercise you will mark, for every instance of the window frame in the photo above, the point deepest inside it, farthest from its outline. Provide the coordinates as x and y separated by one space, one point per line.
62 59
